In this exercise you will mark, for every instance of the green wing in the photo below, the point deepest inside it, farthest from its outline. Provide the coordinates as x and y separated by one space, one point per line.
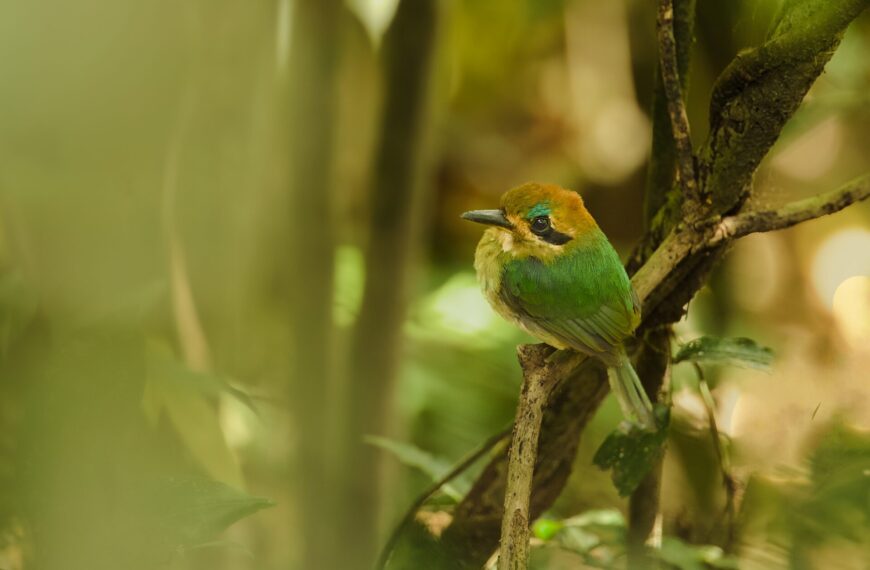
583 299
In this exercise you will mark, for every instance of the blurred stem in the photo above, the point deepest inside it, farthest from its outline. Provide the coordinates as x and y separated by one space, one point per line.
191 335
312 80
722 457
643 506
397 206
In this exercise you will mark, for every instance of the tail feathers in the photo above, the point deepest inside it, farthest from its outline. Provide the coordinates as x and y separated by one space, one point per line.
629 392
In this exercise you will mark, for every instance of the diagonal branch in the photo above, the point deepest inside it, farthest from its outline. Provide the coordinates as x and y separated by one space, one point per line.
676 108
746 223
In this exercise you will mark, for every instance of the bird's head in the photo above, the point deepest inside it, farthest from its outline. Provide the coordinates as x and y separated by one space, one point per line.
536 220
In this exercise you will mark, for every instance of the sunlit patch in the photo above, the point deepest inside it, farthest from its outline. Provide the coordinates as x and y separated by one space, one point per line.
459 306
283 31
851 307
375 16
349 282
612 132
844 254
757 271
237 422
813 153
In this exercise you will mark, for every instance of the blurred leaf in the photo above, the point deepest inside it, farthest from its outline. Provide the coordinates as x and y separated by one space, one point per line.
190 512
417 458
18 306
691 557
188 400
839 504
743 352
607 524
419 550
545 529
578 539
631 452
597 518
597 536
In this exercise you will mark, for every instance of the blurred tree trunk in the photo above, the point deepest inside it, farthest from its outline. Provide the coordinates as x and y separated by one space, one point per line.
396 214
313 68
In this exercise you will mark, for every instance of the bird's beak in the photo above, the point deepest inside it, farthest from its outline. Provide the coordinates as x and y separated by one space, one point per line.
488 217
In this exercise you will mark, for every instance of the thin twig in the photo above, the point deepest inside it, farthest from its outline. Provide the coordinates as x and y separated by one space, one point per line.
676 106
746 223
538 383
467 461
679 245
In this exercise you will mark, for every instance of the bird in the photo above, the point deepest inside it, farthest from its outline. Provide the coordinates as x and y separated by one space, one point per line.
545 265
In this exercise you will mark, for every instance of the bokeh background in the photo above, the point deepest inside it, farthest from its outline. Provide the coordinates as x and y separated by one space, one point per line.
231 266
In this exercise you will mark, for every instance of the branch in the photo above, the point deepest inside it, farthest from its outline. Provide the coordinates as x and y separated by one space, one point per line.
676 108
580 387
761 89
746 223
538 384
663 157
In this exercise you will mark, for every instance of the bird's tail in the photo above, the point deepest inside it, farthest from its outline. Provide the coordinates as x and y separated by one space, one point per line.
629 392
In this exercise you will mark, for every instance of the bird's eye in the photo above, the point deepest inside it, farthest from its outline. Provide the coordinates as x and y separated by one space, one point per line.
540 224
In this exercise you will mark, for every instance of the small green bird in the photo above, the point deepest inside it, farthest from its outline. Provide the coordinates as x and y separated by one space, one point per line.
545 265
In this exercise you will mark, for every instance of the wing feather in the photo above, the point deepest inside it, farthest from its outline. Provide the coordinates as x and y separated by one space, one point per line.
584 301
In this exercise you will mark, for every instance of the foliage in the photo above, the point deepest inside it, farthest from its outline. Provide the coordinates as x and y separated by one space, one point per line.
186 513
598 539
631 451
743 352
427 463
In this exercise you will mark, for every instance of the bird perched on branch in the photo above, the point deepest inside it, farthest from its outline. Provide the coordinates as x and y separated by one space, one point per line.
545 265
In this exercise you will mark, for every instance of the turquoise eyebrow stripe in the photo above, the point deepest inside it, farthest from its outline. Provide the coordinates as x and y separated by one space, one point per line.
542 209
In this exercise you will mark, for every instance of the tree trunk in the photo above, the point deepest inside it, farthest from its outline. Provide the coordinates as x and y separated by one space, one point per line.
397 204
310 247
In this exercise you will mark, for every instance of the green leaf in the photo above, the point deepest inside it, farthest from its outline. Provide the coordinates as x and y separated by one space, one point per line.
188 400
545 529
413 456
630 452
189 512
738 351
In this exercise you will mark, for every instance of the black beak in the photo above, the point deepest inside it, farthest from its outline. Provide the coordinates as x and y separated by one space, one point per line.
488 217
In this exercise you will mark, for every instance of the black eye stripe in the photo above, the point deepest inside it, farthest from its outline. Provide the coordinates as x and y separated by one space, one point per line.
541 227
